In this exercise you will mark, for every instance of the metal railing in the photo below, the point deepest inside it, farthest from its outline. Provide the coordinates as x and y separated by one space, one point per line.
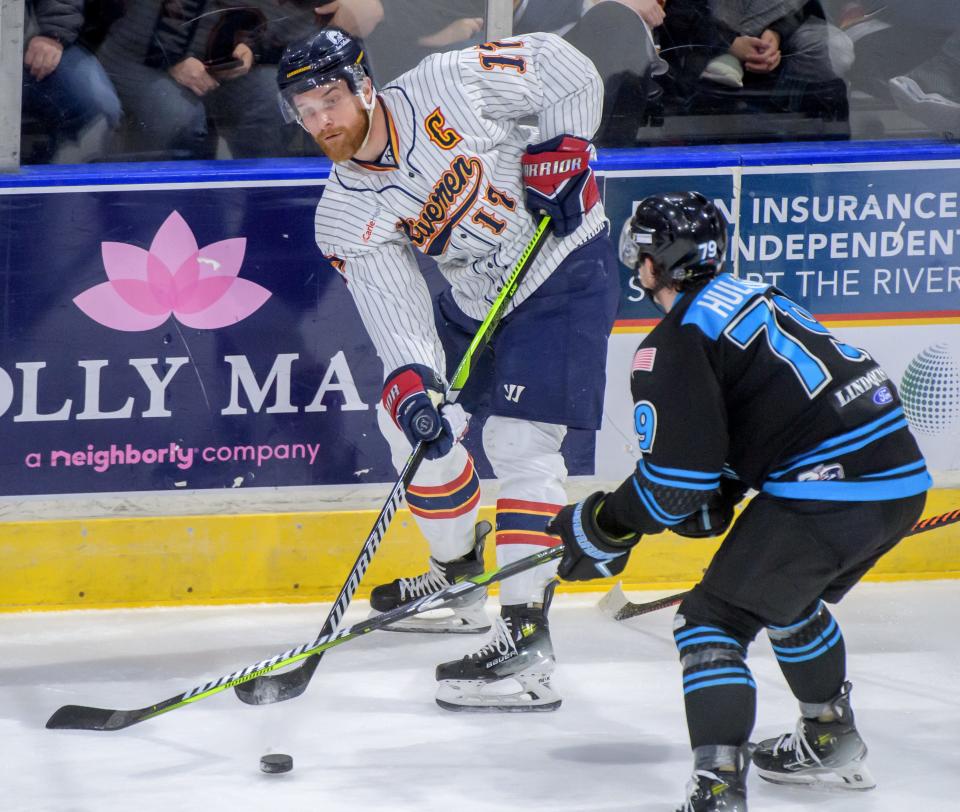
11 69
499 19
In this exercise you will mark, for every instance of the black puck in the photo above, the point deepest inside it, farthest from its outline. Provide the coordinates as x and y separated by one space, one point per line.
276 763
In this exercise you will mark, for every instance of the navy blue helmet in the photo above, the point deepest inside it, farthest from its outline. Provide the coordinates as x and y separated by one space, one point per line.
318 59
682 232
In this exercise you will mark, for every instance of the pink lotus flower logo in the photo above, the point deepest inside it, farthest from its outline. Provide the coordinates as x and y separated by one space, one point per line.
198 286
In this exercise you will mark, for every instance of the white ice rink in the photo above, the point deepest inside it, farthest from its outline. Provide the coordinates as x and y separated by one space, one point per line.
367 736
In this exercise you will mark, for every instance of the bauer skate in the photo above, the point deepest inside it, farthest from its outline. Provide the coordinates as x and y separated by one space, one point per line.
466 616
509 673
712 789
828 755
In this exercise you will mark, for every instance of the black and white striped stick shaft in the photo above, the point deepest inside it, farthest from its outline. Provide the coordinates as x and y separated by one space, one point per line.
81 717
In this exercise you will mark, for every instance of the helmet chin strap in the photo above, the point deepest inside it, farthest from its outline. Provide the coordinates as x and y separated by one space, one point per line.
370 108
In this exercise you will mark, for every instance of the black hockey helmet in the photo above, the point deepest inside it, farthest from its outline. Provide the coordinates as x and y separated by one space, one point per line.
318 59
682 232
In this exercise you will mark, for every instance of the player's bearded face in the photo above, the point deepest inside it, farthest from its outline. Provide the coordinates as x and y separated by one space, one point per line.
335 119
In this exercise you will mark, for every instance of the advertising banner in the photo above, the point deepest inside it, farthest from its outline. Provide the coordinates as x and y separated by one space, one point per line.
159 339
182 337
860 241
876 245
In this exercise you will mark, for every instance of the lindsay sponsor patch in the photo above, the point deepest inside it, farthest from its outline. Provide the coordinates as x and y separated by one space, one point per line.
861 385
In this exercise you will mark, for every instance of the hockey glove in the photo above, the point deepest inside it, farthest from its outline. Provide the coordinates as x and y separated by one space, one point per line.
560 182
714 517
589 551
413 397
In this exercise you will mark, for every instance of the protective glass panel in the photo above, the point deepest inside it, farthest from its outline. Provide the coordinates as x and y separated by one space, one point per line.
727 71
134 80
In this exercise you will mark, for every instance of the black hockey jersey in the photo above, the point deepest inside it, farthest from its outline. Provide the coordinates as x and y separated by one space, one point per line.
739 380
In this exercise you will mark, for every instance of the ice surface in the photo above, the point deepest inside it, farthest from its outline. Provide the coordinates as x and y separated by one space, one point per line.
367 736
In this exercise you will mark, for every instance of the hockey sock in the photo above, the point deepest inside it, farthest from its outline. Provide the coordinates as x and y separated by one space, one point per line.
811 654
719 693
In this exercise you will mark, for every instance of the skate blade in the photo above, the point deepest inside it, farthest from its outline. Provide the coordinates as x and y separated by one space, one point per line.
508 695
853 778
441 624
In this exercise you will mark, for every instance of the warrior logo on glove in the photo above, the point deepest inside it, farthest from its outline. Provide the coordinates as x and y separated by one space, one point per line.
560 182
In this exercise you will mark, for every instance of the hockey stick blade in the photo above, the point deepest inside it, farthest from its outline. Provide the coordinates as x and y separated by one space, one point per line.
80 717
289 684
616 604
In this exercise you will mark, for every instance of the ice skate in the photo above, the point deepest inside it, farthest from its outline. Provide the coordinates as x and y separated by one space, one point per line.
509 673
712 789
719 791
467 616
828 755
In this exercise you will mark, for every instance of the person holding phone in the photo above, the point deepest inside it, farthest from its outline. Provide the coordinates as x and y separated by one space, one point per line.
197 79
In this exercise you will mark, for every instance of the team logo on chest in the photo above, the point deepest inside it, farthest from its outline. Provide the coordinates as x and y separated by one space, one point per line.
452 197
443 136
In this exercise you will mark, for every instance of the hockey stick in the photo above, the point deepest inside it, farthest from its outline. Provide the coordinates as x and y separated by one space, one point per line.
80 717
280 687
616 604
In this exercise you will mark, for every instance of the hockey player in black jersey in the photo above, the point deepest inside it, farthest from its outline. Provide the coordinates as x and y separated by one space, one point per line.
739 387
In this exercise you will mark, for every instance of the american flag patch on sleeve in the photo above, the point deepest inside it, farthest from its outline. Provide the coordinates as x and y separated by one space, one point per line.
643 360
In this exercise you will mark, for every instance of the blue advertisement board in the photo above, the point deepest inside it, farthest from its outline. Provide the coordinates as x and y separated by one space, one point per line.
185 333
856 241
160 339
185 338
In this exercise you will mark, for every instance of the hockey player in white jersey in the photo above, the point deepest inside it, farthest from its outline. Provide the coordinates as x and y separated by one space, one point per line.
437 161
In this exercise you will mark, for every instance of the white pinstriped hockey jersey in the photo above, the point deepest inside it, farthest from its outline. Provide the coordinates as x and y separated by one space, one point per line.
450 185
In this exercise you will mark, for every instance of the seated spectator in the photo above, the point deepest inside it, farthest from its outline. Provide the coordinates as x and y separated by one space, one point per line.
555 16
727 41
911 59
930 92
65 89
178 91
617 36
412 29
560 16
190 71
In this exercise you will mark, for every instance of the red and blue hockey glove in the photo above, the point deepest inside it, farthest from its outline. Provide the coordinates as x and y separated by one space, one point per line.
589 551
560 182
714 517
413 397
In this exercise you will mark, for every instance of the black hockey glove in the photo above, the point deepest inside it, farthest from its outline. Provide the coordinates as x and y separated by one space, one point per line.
560 182
589 552
413 397
714 517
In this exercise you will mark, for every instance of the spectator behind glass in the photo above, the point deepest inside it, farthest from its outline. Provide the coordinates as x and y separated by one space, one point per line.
616 36
412 29
907 56
182 67
612 33
65 89
191 70
930 92
727 41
